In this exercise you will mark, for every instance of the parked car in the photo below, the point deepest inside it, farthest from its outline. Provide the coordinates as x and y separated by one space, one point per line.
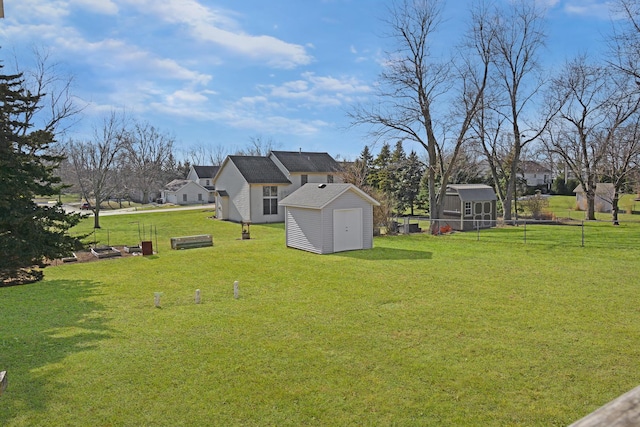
85 206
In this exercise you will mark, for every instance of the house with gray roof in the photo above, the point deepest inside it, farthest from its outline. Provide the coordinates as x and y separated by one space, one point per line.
248 188
328 218
184 192
469 206
203 175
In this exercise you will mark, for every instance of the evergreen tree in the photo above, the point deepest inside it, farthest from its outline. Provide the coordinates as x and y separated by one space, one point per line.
29 234
380 177
397 172
409 182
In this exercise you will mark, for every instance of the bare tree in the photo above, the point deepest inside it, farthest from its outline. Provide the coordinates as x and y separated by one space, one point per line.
596 105
518 38
258 146
625 41
94 162
58 109
414 89
147 152
621 161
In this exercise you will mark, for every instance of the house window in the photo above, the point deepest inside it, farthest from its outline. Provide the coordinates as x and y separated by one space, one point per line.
304 179
208 182
467 208
199 197
270 200
184 197
329 179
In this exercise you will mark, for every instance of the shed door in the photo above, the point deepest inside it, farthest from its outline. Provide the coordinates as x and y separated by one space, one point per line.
347 229
482 214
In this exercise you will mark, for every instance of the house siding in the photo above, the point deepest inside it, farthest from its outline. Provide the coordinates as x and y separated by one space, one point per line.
305 229
257 214
239 201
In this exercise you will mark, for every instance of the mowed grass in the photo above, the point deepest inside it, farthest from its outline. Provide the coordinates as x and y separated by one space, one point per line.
420 330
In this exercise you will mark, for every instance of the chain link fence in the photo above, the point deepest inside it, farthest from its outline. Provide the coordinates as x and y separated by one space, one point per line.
570 232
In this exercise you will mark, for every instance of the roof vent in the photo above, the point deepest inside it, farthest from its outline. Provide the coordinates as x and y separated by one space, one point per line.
322 185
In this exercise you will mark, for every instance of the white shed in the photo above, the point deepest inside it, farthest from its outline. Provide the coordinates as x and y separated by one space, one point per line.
328 218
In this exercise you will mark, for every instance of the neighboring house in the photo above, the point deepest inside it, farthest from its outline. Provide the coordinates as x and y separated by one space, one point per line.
248 188
203 175
604 197
184 192
327 218
470 206
536 175
304 167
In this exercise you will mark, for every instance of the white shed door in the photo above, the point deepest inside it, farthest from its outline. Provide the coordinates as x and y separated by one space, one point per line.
347 229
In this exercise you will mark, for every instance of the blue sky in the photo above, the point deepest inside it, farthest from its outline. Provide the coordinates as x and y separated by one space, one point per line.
219 72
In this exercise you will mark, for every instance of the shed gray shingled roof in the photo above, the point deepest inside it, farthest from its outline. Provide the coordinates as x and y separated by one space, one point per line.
471 192
317 196
259 170
206 171
300 161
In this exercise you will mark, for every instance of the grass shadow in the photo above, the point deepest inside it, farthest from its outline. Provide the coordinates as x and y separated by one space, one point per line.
390 254
42 324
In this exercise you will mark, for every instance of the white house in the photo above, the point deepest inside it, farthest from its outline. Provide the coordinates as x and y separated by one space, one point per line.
604 197
248 188
327 218
184 192
536 175
203 175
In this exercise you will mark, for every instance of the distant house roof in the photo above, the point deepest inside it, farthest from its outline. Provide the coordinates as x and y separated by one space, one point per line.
176 184
317 196
471 192
258 170
206 171
300 161
529 166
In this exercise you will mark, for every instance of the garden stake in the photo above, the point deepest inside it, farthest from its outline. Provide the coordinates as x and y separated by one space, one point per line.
236 290
156 298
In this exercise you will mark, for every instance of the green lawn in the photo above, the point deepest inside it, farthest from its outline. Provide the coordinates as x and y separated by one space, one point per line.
420 330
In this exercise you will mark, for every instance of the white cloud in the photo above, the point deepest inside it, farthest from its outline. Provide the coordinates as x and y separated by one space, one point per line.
106 7
36 10
313 90
593 8
217 27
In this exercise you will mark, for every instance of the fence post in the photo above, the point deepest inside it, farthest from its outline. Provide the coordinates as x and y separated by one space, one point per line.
582 226
478 231
525 231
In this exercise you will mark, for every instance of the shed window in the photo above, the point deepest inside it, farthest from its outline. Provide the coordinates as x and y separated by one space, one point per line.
184 197
304 179
199 197
329 179
467 208
270 200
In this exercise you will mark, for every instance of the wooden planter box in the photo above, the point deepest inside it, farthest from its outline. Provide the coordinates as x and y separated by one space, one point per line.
105 252
133 249
188 242
72 258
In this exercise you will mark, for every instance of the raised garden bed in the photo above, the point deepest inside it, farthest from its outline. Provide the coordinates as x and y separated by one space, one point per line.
72 258
133 249
188 242
105 252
